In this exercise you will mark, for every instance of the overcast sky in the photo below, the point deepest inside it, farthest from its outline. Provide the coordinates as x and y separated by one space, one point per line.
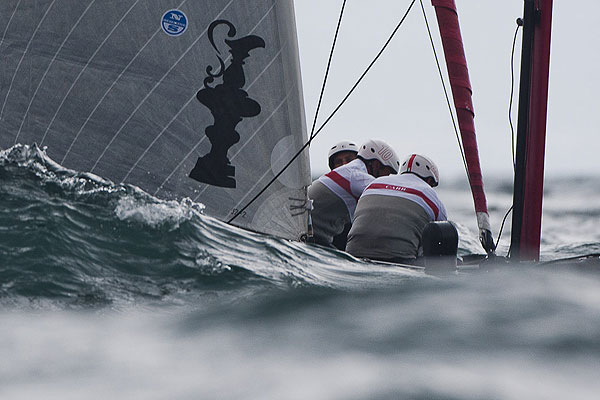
401 100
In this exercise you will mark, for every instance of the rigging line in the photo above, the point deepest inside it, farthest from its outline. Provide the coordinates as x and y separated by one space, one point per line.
83 14
255 185
502 226
35 32
251 137
437 61
512 92
512 129
337 29
330 116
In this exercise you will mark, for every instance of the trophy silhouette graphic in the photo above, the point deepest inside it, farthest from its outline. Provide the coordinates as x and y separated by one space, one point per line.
229 104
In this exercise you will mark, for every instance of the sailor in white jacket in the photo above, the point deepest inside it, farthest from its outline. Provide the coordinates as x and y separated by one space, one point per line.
393 211
341 153
334 195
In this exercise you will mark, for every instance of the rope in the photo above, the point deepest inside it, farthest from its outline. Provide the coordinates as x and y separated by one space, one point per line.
512 91
519 24
512 129
328 118
337 29
502 227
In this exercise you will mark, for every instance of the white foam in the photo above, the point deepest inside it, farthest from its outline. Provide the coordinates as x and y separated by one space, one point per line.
156 212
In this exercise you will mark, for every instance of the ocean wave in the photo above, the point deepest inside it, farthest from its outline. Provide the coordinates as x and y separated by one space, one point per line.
162 290
72 239
79 240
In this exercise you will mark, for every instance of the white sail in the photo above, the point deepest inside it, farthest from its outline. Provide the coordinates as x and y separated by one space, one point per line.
185 98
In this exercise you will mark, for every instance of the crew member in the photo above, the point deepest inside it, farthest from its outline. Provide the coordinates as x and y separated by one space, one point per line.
341 153
393 211
334 195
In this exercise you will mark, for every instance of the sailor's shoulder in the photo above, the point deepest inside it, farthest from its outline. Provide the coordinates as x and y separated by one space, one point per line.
355 168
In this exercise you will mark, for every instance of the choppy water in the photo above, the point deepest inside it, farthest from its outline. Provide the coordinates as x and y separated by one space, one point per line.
106 292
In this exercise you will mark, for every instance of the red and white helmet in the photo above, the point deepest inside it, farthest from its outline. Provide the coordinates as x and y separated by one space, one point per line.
342 146
379 150
421 166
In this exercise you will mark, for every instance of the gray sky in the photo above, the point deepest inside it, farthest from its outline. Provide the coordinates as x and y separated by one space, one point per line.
401 100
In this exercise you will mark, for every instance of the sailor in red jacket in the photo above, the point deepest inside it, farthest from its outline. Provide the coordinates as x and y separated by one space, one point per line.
334 195
393 211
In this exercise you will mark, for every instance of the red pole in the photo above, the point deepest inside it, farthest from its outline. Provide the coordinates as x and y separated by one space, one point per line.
536 142
531 131
458 73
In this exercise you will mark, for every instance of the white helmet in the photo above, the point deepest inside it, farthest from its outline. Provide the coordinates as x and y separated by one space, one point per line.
342 146
379 150
421 166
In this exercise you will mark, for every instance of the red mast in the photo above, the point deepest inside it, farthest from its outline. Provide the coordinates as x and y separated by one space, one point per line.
456 64
531 131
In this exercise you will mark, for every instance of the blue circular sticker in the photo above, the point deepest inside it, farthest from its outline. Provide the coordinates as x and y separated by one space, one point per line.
174 22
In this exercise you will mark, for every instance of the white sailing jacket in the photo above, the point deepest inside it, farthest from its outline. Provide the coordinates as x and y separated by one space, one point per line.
334 196
390 217
348 182
410 187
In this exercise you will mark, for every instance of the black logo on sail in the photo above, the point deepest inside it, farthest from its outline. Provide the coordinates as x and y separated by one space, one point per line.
229 104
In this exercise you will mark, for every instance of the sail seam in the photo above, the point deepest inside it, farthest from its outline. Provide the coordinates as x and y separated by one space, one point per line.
184 159
84 69
250 138
9 22
281 155
111 88
188 103
106 94
158 137
50 66
160 81
12 81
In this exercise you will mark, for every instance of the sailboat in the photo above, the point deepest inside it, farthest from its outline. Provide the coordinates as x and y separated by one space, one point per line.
203 100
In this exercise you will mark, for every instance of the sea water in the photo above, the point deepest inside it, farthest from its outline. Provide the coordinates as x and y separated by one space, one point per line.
107 292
